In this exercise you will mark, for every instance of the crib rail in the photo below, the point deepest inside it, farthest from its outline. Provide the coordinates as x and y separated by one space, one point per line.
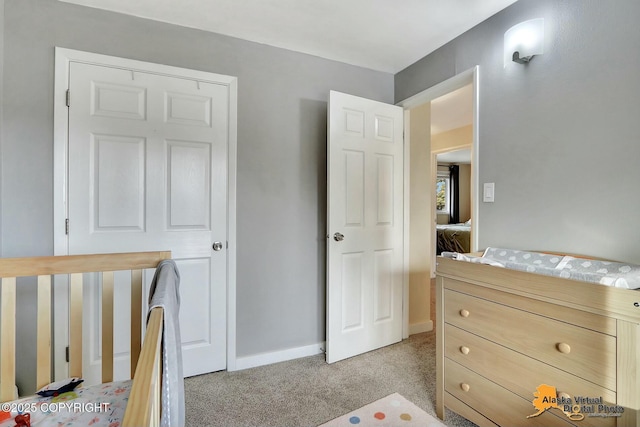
49 265
44 268
147 383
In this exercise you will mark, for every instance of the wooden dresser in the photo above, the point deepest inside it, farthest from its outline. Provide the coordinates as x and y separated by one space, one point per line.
503 335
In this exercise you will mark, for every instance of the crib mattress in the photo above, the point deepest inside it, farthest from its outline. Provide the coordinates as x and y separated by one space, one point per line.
98 405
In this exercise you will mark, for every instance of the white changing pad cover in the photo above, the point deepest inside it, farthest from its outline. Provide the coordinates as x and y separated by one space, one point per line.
97 405
609 273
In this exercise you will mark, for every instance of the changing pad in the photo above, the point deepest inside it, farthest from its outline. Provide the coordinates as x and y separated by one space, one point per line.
617 274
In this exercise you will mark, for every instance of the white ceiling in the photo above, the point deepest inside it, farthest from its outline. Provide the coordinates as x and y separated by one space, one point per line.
455 157
383 35
452 110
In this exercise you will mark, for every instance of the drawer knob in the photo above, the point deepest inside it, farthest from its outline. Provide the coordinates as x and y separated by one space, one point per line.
464 313
464 350
563 347
465 386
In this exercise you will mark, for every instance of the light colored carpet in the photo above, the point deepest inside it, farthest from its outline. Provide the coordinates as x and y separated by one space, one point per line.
391 411
310 392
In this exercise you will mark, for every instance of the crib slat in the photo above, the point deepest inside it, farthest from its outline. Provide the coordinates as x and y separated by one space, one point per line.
136 317
107 326
75 325
7 338
43 349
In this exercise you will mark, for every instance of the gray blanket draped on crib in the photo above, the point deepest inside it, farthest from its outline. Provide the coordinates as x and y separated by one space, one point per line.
165 293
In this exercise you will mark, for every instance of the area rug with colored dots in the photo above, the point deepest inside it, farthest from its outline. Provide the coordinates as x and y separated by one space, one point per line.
393 410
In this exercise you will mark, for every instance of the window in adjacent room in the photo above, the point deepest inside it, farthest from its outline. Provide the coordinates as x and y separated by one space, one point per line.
442 193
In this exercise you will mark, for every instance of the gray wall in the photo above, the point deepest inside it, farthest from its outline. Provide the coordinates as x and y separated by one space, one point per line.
560 137
281 151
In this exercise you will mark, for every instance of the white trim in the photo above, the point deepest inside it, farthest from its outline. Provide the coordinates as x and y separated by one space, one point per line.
60 241
262 359
418 328
232 168
475 160
442 88
63 58
406 331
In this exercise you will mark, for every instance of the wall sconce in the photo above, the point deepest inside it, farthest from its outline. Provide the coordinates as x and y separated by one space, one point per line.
523 41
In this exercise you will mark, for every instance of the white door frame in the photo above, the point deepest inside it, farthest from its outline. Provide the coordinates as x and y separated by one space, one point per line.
63 58
456 82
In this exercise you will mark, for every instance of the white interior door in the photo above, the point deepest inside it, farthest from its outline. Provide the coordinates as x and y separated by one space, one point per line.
365 226
147 170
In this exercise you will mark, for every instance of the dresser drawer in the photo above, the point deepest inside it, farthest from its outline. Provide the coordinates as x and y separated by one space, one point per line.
584 319
582 352
519 373
500 405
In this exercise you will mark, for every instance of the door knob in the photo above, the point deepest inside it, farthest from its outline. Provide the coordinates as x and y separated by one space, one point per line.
338 237
217 246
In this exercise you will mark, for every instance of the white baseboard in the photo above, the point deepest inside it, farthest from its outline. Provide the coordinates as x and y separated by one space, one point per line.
262 359
417 328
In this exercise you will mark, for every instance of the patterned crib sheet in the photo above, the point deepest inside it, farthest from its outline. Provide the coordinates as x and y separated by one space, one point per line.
98 405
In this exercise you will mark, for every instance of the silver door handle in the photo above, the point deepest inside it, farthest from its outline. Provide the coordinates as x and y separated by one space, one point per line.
217 246
338 237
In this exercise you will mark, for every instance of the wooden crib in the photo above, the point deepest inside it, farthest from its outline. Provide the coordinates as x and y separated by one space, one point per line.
144 404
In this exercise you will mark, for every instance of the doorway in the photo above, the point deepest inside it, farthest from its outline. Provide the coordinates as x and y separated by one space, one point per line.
420 199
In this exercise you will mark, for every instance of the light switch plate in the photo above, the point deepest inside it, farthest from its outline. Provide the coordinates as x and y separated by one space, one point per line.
489 192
